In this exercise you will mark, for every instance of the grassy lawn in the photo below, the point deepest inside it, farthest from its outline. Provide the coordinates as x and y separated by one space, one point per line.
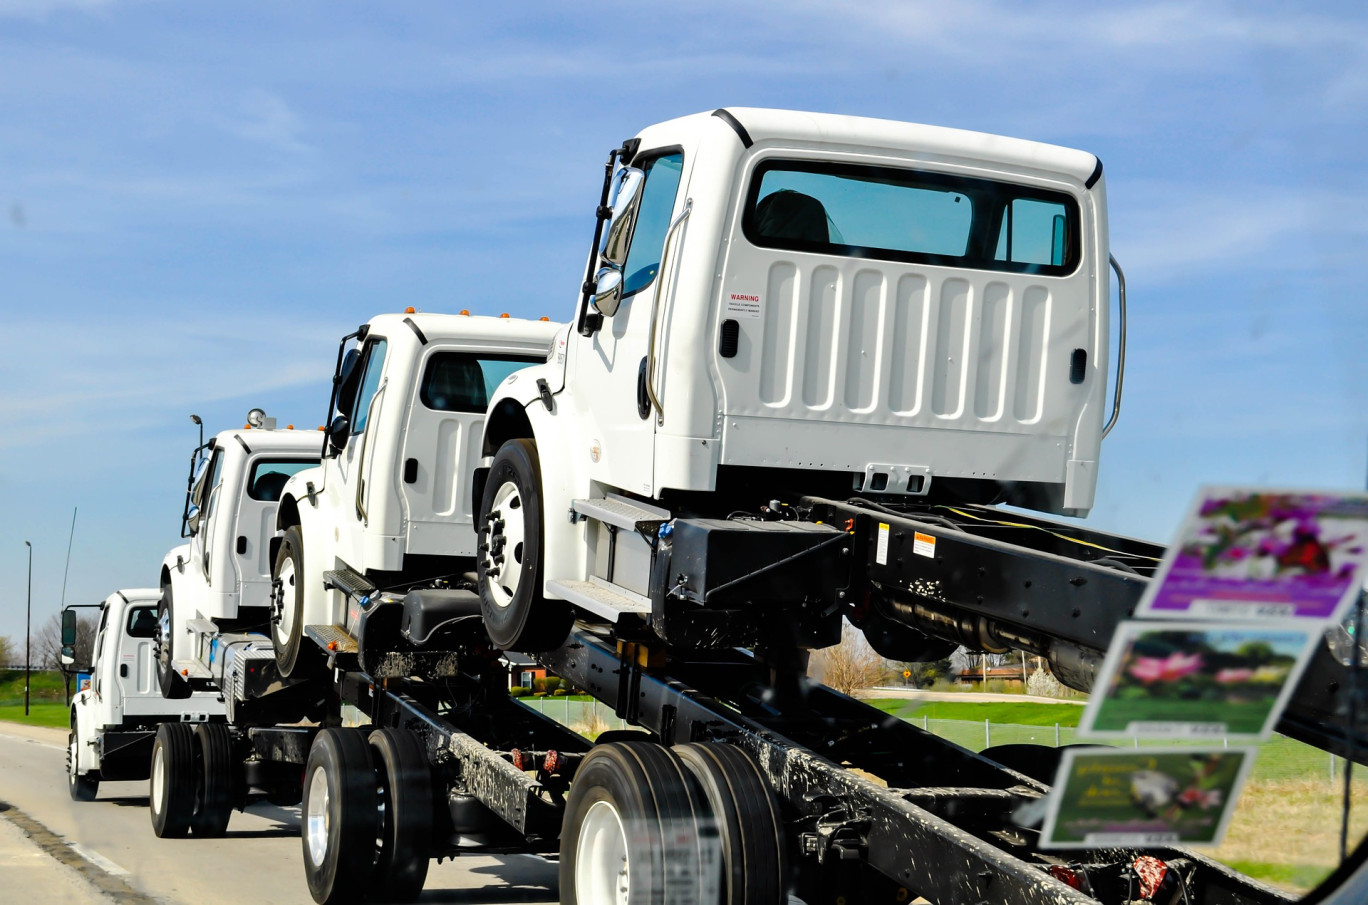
1025 713
41 713
46 693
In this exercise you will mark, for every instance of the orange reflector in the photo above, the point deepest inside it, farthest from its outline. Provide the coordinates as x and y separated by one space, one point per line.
246 427
466 312
505 314
332 645
185 672
321 427
289 427
544 317
410 310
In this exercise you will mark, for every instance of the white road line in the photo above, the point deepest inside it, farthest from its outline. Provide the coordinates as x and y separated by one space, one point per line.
98 860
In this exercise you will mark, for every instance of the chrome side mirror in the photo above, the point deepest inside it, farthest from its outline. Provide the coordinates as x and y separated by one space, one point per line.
192 518
607 291
68 654
626 204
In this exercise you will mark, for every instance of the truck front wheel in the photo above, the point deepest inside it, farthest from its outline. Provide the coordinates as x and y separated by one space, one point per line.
173 687
82 786
294 657
516 615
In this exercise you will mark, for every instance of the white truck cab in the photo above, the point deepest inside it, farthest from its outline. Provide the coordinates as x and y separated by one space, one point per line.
391 505
222 574
786 303
115 716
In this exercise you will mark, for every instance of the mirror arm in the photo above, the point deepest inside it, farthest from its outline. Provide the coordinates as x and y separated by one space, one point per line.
590 321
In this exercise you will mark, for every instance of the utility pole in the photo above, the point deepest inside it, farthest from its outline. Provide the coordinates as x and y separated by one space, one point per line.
28 626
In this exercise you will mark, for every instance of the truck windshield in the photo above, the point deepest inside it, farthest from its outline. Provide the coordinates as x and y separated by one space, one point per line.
909 215
461 382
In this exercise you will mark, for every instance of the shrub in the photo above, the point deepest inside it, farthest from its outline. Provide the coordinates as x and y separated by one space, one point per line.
519 691
547 685
560 692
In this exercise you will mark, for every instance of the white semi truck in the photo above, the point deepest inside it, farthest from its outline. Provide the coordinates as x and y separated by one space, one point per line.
808 350
220 579
115 717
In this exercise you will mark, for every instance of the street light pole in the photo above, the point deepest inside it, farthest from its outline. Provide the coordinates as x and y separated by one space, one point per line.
28 621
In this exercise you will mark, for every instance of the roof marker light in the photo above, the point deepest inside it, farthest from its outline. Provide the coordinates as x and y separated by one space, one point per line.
410 310
544 318
505 314
465 311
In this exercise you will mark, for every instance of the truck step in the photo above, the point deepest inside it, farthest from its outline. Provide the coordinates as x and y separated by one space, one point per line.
333 639
191 669
601 598
619 512
348 582
203 627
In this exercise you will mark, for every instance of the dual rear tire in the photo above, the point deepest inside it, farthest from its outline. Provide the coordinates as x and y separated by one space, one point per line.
367 816
195 780
697 820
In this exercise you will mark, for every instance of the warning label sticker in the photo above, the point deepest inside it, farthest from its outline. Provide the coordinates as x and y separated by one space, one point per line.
742 304
881 550
923 544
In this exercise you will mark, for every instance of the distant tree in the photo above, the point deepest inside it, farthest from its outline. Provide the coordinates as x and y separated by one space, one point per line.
47 642
6 652
849 666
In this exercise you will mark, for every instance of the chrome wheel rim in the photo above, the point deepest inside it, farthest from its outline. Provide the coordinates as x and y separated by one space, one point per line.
316 817
503 559
164 638
71 759
285 624
602 873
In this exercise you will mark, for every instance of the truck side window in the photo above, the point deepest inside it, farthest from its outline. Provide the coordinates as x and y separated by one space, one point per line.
211 486
461 382
370 382
142 622
653 221
1033 232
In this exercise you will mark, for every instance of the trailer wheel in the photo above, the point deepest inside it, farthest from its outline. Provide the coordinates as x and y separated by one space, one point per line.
172 786
214 791
173 687
406 821
749 828
82 786
339 817
294 658
631 831
516 615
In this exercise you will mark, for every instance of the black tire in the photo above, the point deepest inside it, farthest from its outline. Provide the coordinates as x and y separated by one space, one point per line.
406 827
749 828
339 817
294 657
217 769
172 784
81 786
173 685
647 788
516 615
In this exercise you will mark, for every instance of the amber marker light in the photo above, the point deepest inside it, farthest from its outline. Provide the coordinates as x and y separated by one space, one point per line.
410 310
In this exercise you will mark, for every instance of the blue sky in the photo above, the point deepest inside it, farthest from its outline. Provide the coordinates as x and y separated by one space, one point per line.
198 199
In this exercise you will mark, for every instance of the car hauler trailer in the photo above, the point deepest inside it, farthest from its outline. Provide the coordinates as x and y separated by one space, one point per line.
743 781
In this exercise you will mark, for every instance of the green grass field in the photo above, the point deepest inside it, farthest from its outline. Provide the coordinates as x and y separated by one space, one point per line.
46 706
1025 713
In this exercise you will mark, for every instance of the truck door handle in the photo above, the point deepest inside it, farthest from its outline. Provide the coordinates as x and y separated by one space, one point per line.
410 471
123 670
242 544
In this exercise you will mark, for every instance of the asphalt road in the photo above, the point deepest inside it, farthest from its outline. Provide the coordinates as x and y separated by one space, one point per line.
258 861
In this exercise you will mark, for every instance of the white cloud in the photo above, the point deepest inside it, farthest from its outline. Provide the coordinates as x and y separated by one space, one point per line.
41 9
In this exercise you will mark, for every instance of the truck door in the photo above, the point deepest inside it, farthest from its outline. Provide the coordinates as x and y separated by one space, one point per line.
133 674
255 523
609 366
202 543
442 444
352 466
